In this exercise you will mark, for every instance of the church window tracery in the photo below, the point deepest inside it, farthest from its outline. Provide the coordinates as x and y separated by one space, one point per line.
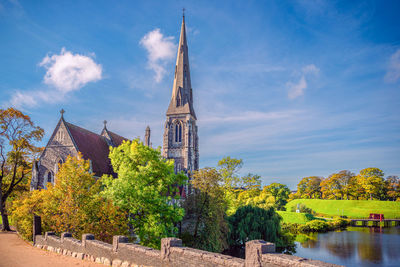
178 132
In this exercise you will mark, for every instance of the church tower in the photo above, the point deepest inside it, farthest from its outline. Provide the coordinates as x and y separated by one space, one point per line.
180 140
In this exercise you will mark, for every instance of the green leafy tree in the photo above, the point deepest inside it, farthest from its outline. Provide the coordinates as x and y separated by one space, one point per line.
372 181
281 194
251 182
146 187
17 151
205 212
393 187
250 223
229 168
309 187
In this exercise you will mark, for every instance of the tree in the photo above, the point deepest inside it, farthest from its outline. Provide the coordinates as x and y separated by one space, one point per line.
147 188
393 187
229 167
73 204
251 182
309 187
205 212
250 223
280 192
337 185
371 180
17 150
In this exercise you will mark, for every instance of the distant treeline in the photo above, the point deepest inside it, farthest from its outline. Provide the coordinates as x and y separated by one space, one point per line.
344 185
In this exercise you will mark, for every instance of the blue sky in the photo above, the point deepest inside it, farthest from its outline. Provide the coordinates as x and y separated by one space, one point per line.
294 88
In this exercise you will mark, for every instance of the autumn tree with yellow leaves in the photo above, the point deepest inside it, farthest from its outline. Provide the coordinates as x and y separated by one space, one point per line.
18 135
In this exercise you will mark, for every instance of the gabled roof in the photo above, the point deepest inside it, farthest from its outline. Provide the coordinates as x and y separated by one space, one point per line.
92 146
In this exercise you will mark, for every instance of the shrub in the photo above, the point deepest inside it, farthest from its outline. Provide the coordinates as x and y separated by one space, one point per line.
303 209
73 205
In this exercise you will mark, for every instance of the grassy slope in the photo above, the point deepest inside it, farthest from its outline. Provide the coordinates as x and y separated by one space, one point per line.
350 208
293 217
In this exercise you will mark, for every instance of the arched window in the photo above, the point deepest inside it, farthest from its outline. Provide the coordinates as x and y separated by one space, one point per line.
49 178
178 132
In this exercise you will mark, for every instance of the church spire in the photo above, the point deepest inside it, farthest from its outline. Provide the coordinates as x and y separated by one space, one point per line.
182 97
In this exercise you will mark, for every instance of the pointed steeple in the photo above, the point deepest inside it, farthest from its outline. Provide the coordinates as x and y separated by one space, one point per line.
182 96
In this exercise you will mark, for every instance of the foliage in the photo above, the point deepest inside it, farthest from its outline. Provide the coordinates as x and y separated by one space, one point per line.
17 151
73 204
371 180
392 185
302 208
350 208
337 185
322 226
280 192
250 223
229 167
314 226
146 188
309 187
205 212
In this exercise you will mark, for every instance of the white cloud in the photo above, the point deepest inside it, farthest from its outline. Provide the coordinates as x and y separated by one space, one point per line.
310 69
393 73
160 49
24 99
297 89
68 72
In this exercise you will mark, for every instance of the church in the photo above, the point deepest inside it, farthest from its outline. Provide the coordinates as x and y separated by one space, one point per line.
180 139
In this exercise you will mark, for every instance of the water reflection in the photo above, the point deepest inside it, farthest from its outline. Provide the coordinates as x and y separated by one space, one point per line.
357 246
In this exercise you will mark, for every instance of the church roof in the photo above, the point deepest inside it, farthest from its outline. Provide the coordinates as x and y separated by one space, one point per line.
94 147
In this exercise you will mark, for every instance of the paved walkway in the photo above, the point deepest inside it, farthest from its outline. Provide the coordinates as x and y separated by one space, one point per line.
15 252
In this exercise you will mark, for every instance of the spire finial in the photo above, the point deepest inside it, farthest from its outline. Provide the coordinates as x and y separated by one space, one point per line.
183 12
105 123
62 111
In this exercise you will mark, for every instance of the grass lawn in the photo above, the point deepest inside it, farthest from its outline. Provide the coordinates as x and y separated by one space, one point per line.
350 208
293 217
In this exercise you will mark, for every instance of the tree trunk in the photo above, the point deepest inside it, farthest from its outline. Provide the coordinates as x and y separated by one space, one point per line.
4 217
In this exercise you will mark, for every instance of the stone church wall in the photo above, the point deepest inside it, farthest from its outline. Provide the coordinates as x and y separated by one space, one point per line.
58 148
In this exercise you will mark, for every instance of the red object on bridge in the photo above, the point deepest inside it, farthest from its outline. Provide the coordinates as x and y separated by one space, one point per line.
376 216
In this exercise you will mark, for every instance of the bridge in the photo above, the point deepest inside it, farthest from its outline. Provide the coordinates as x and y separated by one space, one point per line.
376 222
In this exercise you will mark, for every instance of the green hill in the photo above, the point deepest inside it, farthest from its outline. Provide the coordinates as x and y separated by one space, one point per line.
293 217
350 208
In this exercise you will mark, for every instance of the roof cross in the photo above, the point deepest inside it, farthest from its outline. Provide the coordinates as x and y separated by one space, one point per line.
105 123
62 111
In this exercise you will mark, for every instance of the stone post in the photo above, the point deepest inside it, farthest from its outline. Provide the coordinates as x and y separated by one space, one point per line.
37 227
254 251
166 244
86 237
118 239
64 235
48 234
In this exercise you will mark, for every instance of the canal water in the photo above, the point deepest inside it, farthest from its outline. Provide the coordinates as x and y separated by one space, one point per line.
356 246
